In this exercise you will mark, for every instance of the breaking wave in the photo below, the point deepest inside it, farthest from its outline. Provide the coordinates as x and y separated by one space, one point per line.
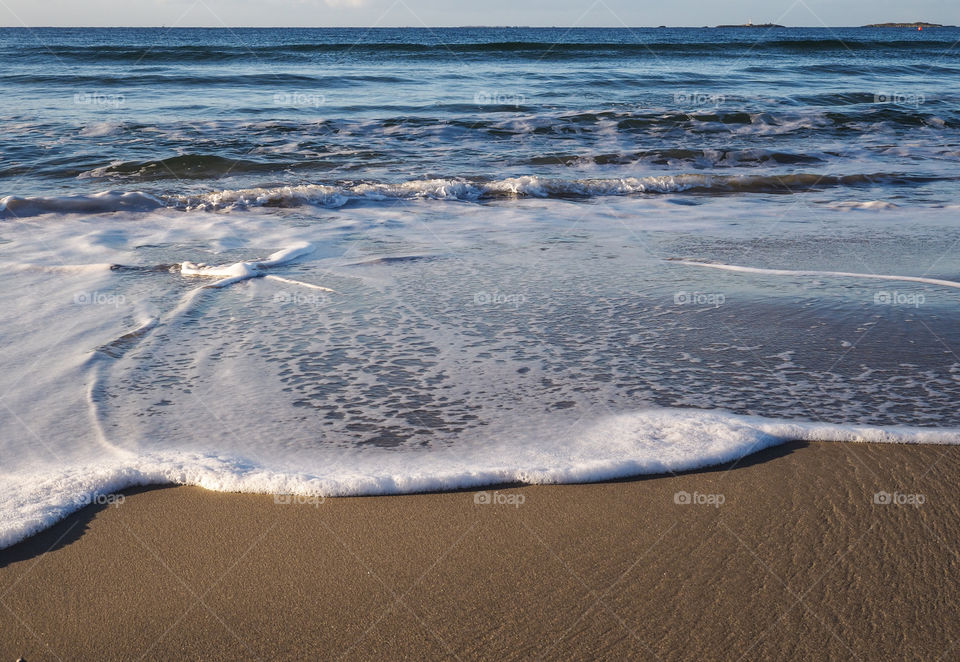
463 189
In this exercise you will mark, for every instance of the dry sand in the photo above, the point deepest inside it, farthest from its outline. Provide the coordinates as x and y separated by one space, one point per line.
797 563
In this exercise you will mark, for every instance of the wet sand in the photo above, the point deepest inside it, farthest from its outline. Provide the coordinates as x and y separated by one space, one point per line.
785 556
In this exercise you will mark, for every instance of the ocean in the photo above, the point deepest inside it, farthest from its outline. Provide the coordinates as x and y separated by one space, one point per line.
376 261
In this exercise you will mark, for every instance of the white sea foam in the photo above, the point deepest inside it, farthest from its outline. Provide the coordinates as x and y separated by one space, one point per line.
872 205
101 129
470 190
233 273
150 378
643 442
283 196
809 273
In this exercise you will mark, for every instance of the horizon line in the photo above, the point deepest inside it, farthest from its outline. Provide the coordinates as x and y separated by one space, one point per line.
454 27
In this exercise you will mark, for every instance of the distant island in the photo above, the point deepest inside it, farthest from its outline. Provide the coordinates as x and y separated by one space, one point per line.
918 24
753 25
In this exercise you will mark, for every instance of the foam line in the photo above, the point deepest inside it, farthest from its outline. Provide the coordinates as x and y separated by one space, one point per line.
98 364
610 447
291 281
834 274
57 268
450 188
286 255
104 355
220 284
118 346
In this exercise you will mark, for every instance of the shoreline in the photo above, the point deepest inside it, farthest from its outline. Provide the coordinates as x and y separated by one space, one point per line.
785 554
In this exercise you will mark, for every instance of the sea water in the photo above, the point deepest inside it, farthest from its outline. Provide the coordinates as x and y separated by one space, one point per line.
336 262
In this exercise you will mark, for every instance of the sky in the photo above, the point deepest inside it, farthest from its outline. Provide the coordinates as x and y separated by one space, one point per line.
437 13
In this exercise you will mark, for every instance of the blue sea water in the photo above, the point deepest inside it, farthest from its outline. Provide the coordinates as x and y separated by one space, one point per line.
355 261
178 112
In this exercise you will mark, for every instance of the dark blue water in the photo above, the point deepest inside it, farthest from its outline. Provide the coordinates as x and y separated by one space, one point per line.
185 112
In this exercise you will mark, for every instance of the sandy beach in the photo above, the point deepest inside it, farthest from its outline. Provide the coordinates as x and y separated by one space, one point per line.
788 555
396 252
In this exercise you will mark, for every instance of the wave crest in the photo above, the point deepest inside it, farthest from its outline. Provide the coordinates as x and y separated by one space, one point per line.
459 188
